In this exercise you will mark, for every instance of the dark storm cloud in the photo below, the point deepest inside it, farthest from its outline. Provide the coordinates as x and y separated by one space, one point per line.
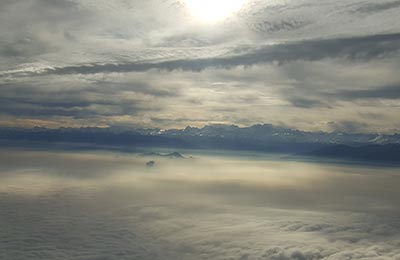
385 92
353 49
75 109
322 99
79 99
307 103
312 97
379 7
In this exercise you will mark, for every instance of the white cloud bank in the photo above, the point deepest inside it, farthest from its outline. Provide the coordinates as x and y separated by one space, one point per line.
110 206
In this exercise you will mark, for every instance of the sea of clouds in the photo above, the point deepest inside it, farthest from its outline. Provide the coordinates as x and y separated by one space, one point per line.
108 206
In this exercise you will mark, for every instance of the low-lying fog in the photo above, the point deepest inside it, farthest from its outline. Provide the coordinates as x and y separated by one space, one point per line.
108 206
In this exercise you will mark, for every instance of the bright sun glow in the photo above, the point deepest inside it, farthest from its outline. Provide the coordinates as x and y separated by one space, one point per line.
213 10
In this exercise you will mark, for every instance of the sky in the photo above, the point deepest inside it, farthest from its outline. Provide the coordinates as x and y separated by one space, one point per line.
306 64
98 206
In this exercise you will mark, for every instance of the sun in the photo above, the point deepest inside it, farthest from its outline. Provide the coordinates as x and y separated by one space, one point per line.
213 10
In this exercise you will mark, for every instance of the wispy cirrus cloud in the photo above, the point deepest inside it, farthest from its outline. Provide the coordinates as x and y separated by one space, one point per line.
352 49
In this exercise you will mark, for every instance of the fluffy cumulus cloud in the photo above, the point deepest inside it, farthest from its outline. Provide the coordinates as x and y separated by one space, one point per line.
308 64
100 206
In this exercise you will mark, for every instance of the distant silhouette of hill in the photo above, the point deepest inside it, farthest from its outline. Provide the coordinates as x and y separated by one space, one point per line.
168 155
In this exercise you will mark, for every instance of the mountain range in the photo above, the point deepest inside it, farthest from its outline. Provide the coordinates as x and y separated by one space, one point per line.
261 138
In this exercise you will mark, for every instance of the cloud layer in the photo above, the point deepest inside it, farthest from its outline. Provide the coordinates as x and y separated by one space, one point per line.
99 206
306 64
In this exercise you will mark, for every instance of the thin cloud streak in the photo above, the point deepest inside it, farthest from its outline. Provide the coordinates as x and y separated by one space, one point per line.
352 49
